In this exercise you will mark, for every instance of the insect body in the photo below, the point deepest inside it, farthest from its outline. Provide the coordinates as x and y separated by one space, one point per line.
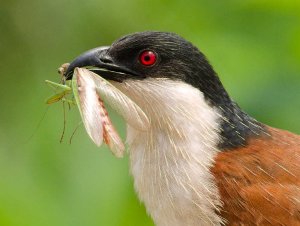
93 113
61 91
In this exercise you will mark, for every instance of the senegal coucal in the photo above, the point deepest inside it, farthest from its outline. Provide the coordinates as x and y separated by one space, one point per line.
203 160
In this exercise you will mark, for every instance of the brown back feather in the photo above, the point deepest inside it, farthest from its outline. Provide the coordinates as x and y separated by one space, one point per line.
260 183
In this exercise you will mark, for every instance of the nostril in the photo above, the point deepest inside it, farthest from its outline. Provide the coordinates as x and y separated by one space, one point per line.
106 59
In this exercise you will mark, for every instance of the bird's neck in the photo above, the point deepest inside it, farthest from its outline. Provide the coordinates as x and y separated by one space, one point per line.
171 162
236 126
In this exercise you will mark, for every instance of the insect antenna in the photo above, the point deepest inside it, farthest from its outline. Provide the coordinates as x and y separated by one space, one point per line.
37 126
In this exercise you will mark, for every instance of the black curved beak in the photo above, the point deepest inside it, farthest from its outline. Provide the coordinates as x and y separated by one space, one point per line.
98 61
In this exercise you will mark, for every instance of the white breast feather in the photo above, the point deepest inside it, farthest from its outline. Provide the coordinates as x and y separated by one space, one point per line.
171 162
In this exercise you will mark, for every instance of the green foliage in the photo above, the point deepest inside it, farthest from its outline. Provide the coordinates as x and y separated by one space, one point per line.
253 45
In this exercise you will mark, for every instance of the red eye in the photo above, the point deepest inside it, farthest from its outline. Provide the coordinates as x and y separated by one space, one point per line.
147 58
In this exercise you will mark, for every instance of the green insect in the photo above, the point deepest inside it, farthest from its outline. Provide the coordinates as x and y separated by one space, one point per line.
62 90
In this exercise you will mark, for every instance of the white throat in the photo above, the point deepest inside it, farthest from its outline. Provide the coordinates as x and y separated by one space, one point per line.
171 162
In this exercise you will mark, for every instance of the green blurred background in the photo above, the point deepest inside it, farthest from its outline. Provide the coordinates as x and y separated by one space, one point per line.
253 45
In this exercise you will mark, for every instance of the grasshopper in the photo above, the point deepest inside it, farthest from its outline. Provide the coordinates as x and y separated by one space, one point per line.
62 90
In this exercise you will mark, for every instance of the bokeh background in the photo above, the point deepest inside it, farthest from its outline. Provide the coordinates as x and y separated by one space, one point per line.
253 45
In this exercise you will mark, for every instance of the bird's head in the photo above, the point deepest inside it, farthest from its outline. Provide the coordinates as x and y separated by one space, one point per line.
160 57
153 55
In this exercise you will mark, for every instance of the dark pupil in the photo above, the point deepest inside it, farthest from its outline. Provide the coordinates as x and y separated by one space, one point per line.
147 58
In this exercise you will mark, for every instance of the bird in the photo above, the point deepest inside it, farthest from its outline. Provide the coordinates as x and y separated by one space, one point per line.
203 160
